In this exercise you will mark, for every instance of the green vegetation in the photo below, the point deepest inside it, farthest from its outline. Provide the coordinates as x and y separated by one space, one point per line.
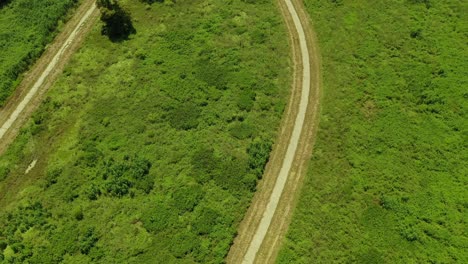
117 22
25 28
149 149
387 181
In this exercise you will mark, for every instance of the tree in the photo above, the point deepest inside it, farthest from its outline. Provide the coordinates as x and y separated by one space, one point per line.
2 3
118 23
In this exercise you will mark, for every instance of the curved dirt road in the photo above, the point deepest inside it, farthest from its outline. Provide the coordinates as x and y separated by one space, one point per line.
266 221
38 80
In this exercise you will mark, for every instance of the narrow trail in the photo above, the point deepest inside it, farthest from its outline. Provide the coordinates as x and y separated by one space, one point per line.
27 97
266 222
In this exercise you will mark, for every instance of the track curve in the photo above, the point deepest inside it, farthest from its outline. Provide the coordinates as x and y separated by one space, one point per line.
266 221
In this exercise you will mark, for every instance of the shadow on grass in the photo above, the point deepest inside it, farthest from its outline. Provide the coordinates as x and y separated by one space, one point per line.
4 3
118 27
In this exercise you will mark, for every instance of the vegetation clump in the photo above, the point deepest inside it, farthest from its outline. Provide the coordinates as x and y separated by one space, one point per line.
117 22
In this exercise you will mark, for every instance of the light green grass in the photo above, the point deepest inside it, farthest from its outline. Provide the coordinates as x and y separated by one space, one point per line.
387 181
197 93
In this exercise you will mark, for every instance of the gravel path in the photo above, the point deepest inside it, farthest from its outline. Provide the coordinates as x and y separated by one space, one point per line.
266 222
293 143
15 109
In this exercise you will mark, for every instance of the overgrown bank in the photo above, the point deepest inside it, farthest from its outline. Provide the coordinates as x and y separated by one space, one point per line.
387 181
148 149
26 27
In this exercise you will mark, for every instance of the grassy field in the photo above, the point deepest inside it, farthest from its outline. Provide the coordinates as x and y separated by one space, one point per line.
149 149
387 181
25 28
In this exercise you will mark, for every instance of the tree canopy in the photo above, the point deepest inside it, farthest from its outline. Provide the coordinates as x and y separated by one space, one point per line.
118 23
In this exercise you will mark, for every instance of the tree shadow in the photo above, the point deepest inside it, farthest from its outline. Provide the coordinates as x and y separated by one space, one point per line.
118 24
4 3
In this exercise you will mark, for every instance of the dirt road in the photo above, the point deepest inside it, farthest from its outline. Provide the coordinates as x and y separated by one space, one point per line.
28 94
266 221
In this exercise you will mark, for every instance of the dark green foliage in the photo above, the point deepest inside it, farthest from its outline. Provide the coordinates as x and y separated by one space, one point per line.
24 31
4 2
93 192
118 23
212 74
246 100
259 153
187 197
231 173
158 218
17 223
4 172
152 1
204 164
3 245
387 181
118 187
88 240
427 3
26 217
120 177
205 221
78 214
183 243
242 130
52 176
185 116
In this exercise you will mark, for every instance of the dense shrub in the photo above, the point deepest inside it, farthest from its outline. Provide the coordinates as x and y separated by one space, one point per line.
246 100
259 153
158 218
187 197
118 23
242 130
205 220
183 243
88 240
185 116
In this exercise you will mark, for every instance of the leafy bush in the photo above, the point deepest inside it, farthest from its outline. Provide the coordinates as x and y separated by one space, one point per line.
4 171
88 240
185 116
118 23
246 100
183 243
259 153
205 220
230 174
204 164
187 197
242 130
158 218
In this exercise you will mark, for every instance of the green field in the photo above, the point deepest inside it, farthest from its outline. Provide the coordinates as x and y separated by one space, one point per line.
149 149
25 29
387 181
